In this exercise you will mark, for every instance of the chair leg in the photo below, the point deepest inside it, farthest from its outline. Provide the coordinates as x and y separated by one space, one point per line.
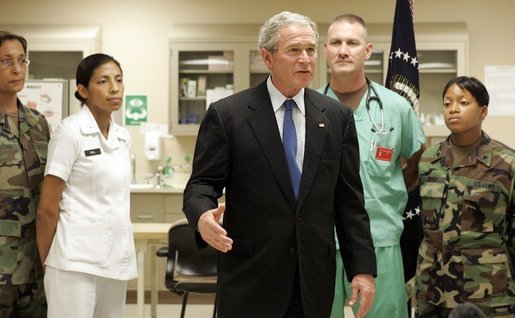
214 310
184 302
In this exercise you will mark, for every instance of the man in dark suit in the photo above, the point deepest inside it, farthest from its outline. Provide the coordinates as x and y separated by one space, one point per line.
291 174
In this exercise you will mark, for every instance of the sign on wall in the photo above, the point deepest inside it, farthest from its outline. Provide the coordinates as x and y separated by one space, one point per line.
135 110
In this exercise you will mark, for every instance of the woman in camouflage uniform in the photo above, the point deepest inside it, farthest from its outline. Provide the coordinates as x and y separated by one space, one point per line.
24 138
467 189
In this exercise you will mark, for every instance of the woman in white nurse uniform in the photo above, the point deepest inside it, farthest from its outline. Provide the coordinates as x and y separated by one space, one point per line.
84 233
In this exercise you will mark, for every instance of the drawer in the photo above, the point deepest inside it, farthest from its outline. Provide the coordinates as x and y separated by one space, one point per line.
147 208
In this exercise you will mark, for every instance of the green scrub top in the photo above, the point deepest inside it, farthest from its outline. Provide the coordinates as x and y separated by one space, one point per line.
380 170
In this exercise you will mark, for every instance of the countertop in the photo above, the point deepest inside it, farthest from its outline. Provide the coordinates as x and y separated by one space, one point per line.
153 189
173 185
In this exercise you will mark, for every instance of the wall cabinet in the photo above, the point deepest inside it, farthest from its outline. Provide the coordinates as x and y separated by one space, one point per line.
226 56
202 73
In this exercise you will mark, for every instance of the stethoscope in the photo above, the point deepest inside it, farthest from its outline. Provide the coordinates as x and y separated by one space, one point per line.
375 129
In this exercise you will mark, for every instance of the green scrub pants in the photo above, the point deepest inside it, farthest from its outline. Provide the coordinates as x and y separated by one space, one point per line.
390 298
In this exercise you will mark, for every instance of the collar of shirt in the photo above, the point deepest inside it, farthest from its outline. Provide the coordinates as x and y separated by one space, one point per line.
278 98
89 126
298 116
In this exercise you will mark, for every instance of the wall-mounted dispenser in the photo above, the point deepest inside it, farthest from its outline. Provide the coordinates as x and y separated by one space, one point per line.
153 145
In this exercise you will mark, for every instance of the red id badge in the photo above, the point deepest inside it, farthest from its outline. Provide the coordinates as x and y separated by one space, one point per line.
384 154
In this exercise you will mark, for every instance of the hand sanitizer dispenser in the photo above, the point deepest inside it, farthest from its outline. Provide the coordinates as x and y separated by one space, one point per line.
152 145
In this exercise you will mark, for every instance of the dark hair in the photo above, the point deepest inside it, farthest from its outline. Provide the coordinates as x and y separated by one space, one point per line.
8 36
473 86
467 310
86 68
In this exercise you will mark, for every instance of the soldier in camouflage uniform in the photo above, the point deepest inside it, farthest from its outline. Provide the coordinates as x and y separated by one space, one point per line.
24 136
468 205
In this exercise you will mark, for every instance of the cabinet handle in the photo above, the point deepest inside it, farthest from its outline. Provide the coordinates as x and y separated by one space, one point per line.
145 217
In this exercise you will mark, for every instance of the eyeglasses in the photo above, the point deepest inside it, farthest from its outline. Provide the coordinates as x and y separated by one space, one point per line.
8 63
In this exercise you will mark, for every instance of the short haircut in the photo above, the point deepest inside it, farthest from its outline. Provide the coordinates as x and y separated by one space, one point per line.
269 31
8 36
473 86
351 18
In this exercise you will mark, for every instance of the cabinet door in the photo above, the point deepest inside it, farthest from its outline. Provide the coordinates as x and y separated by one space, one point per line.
200 75
257 70
147 207
437 66
173 208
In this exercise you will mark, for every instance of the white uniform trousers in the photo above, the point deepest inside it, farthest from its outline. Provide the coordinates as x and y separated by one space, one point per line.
82 295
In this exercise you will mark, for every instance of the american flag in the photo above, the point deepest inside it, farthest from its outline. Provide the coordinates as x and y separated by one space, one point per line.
402 75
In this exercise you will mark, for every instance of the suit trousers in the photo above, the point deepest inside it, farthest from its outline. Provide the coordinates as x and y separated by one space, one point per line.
82 295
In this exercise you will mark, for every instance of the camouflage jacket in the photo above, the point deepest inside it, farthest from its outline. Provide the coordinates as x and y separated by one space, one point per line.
22 165
467 254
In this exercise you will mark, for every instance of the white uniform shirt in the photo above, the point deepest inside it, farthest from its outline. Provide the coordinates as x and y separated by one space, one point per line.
94 232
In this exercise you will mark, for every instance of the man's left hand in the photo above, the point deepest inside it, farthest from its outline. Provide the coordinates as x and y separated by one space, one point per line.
364 285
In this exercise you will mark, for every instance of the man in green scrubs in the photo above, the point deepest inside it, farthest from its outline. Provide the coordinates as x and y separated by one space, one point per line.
388 130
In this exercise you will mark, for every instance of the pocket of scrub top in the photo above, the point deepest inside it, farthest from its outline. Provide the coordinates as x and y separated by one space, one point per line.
382 156
87 243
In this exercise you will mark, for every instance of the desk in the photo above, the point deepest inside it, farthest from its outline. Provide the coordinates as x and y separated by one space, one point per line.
144 235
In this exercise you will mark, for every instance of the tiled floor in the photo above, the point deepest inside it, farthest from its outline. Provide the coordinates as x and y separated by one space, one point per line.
172 311
192 311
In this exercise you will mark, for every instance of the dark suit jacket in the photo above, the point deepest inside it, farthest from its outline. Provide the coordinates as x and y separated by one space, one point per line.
239 148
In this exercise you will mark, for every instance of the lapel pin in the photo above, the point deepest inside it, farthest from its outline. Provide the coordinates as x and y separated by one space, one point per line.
321 125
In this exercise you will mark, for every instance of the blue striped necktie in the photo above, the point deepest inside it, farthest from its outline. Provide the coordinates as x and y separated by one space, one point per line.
290 145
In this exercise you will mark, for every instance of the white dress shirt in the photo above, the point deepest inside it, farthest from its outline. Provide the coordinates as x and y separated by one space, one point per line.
298 115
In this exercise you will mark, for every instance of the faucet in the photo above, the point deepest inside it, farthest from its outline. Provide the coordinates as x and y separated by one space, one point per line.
158 175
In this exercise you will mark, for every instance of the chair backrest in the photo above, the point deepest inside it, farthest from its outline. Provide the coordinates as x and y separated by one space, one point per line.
189 259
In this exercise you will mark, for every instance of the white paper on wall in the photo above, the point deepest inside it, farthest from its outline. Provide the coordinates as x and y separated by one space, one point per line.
500 83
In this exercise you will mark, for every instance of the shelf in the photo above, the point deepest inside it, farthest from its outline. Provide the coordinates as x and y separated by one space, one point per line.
205 72
437 71
199 98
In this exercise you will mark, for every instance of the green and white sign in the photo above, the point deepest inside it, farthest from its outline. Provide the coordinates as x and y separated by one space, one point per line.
135 110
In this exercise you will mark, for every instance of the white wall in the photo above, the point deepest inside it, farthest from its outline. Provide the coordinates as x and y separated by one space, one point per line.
136 33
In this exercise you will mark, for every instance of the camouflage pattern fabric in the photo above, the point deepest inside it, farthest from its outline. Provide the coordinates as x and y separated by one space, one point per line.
22 165
467 253
23 301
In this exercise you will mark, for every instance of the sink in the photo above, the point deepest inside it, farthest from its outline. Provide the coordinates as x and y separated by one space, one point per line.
174 185
140 186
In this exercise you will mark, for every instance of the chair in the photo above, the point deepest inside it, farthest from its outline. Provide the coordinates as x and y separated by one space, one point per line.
188 269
